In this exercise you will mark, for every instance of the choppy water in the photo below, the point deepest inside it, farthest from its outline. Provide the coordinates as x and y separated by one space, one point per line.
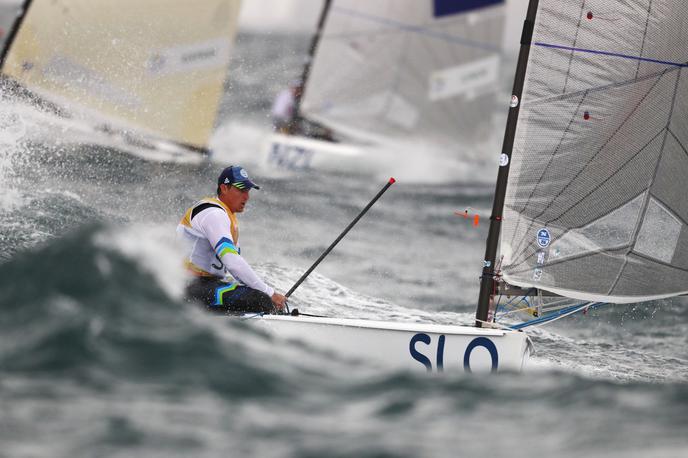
99 356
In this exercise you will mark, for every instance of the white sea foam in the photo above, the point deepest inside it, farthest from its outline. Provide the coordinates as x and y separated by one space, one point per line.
12 130
12 127
237 142
154 248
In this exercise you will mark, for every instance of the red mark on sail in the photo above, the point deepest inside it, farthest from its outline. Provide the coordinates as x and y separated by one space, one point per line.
586 115
591 16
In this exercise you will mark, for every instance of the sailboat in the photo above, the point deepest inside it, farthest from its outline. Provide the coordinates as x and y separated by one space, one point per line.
144 77
589 205
402 70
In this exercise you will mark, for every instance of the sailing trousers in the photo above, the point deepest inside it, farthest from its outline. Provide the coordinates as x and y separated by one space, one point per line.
228 298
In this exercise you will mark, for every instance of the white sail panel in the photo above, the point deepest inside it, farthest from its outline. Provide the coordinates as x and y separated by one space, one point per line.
408 67
595 207
156 67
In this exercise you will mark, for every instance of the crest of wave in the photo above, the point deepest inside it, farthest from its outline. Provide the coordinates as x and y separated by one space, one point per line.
153 247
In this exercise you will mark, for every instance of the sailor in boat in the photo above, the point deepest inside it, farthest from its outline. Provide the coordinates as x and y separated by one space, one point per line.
287 120
284 119
222 279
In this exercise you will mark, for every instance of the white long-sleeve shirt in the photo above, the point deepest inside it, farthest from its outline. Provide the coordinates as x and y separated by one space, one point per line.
213 250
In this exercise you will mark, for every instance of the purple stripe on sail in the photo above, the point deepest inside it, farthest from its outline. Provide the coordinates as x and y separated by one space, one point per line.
449 7
612 54
418 29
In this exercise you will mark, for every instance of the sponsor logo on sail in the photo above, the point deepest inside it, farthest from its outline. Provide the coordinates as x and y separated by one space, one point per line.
205 55
470 80
543 238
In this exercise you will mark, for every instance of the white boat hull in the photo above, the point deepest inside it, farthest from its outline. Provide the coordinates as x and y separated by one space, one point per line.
295 153
414 346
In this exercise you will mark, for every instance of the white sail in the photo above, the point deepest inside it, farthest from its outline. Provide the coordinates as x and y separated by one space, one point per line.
155 67
407 67
595 206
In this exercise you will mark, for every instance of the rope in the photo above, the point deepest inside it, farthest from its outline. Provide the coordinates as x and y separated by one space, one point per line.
558 315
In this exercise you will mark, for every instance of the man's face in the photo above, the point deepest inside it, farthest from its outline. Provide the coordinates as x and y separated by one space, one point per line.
234 198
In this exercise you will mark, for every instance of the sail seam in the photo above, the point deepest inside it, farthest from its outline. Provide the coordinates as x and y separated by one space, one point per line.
678 141
642 45
575 41
592 90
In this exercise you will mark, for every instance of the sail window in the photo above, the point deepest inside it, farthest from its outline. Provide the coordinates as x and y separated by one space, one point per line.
659 233
614 230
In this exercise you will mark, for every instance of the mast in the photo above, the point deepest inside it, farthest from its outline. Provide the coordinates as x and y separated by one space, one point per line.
13 31
311 53
487 282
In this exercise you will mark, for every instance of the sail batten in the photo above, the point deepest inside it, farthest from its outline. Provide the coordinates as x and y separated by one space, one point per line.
594 208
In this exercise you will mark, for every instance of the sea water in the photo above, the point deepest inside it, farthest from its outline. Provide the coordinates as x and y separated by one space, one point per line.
99 355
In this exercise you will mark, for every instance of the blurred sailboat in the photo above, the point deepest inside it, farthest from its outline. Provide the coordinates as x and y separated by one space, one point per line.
398 72
141 76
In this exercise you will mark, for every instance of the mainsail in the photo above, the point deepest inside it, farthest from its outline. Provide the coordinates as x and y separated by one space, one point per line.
595 207
154 67
407 67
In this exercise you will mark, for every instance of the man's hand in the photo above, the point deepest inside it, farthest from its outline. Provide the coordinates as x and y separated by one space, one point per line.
279 300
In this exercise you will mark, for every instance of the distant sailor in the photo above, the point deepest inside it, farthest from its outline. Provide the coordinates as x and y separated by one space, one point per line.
284 109
224 281
286 119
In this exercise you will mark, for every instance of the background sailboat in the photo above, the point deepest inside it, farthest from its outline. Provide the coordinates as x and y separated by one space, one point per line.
149 75
399 75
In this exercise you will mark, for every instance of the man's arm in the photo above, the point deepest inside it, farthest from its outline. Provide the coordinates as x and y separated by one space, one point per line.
214 224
